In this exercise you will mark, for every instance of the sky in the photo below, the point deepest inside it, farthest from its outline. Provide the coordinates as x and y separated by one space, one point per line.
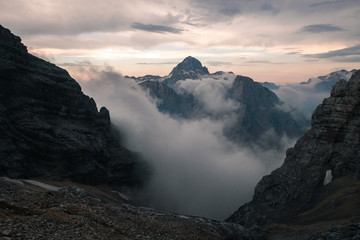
279 41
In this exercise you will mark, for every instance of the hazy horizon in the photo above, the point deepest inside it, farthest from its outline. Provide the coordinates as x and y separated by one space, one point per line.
278 41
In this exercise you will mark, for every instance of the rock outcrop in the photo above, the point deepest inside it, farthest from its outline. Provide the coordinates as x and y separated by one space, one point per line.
49 128
189 68
294 197
169 101
258 114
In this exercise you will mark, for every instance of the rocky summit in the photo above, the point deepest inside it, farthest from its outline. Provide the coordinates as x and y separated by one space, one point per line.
189 68
49 128
315 194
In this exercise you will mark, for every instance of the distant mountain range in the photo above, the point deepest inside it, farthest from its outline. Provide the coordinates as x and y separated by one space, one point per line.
254 108
301 99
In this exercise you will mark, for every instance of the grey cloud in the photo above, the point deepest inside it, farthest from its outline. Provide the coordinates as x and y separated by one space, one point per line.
294 53
230 11
260 61
157 63
350 51
208 11
319 28
263 62
84 63
269 7
355 59
323 3
218 63
332 3
155 28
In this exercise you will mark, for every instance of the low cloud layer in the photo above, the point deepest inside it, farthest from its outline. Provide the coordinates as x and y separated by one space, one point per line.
196 170
211 93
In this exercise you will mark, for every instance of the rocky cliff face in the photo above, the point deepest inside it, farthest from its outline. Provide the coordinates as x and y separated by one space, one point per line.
169 101
258 114
49 128
295 195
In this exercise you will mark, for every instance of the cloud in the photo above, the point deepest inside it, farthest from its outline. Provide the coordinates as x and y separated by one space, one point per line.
300 100
218 63
157 63
350 51
196 170
84 63
332 3
212 94
269 7
320 28
155 28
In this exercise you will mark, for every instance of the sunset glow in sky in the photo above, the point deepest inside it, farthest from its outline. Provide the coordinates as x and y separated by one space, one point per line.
279 41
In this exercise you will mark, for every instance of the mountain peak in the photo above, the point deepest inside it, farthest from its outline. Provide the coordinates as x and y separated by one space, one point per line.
189 68
10 41
191 64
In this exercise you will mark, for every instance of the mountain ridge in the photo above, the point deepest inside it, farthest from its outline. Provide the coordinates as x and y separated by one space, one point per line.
50 128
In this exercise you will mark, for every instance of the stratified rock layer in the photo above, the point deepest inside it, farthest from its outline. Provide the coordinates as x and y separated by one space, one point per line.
49 128
296 190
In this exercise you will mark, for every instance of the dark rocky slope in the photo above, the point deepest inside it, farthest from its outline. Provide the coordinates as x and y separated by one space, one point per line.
293 202
74 211
49 128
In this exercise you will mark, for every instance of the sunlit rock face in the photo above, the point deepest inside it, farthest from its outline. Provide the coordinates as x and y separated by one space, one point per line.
330 146
49 128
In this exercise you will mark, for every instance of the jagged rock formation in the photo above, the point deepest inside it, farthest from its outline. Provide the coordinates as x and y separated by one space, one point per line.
82 212
270 85
49 128
258 114
189 68
325 83
293 198
169 101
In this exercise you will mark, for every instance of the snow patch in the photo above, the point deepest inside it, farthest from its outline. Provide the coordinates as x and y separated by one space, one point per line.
328 177
17 181
42 185
122 195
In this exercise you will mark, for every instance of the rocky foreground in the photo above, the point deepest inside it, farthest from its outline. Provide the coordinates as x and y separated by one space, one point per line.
66 210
